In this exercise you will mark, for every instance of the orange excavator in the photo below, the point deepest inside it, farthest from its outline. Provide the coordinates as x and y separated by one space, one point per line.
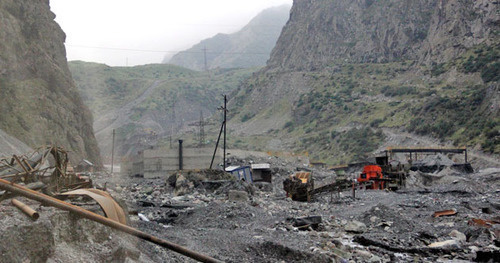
372 174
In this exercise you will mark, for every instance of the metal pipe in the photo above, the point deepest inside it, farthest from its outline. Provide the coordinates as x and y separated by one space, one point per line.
26 209
180 154
51 201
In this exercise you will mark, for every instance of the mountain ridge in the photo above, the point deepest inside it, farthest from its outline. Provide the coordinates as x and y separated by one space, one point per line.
343 71
249 47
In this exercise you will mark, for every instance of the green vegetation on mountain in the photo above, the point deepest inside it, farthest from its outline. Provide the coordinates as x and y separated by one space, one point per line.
344 72
156 99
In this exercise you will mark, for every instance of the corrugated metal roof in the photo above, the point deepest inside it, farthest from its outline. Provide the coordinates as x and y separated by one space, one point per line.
231 168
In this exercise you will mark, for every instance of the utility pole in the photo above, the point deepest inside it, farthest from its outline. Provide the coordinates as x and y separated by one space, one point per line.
112 151
225 111
201 129
222 128
205 56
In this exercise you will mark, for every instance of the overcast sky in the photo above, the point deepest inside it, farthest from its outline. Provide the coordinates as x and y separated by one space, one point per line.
135 32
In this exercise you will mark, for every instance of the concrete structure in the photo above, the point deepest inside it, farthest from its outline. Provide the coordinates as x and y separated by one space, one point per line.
261 172
161 162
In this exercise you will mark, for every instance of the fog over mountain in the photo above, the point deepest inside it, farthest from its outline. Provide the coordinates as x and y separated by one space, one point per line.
249 47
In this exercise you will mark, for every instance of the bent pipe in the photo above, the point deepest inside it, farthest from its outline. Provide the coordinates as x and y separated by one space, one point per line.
51 201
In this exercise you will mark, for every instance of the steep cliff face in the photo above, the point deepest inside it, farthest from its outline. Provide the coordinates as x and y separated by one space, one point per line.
320 32
39 101
344 69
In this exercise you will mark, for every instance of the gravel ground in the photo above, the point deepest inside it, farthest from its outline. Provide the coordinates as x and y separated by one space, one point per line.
238 222
376 226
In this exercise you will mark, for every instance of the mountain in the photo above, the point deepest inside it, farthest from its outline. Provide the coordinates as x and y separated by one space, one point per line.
39 101
148 105
249 47
345 76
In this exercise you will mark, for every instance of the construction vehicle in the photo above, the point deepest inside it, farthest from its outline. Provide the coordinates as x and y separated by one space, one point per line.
299 185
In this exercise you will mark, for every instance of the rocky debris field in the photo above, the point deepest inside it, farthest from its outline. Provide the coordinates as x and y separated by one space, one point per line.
212 213
238 222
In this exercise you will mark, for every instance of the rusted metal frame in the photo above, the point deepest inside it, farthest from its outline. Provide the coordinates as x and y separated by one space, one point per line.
25 209
20 164
11 167
45 199
26 172
28 164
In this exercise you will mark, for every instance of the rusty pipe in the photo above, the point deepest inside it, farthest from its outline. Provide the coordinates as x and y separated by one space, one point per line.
51 201
26 209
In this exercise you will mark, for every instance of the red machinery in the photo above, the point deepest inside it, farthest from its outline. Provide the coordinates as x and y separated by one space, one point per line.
373 174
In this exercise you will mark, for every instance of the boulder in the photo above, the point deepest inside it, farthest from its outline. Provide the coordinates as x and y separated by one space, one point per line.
445 244
355 227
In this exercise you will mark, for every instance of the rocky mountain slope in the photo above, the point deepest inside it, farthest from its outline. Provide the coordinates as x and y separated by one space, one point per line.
150 104
345 72
249 47
39 101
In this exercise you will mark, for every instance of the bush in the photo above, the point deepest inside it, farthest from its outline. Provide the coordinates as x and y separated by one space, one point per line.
491 72
246 117
389 91
438 69
375 123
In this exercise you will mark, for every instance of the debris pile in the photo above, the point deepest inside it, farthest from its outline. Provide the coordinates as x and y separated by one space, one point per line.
453 218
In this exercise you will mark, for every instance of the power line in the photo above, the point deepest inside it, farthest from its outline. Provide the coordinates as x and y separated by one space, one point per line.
166 51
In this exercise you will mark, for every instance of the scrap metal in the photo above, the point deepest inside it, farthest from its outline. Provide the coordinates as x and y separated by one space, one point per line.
51 201
483 222
449 212
110 207
25 209
49 165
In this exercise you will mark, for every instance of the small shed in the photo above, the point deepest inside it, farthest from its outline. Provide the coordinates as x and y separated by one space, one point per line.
85 166
241 172
261 172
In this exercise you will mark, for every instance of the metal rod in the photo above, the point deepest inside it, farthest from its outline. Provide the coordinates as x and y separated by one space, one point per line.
21 164
26 209
51 201
216 146
180 155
